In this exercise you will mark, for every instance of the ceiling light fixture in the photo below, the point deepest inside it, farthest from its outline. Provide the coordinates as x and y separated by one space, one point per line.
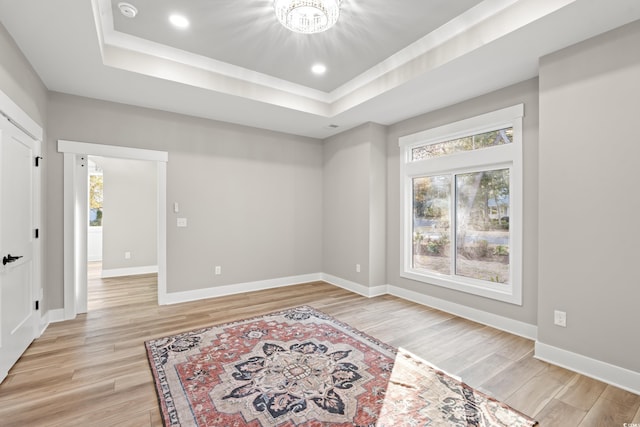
127 9
319 69
179 21
307 16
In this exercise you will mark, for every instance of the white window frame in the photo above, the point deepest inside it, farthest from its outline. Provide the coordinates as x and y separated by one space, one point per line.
490 158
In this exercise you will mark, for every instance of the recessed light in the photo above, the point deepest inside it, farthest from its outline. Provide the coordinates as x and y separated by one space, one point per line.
179 21
319 69
127 9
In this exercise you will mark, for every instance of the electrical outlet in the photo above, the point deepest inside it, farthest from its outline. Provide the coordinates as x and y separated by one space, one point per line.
560 318
218 270
357 268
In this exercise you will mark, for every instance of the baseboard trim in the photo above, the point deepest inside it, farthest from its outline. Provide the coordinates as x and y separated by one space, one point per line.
499 322
357 288
57 315
237 288
51 316
593 368
129 271
512 326
602 371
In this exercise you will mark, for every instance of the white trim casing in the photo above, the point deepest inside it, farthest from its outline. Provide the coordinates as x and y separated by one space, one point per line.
19 118
103 150
357 288
596 369
507 156
611 374
488 21
506 324
238 288
52 316
69 238
75 277
55 315
515 327
162 233
499 322
129 271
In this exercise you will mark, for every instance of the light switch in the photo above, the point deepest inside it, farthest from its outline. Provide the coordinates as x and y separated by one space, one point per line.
176 208
182 222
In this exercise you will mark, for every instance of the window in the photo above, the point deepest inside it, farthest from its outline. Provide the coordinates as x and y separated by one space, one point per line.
95 194
462 205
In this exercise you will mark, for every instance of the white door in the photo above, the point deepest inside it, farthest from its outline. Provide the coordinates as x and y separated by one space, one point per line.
18 318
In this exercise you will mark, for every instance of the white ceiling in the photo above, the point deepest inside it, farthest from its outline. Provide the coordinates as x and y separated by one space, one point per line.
247 34
387 61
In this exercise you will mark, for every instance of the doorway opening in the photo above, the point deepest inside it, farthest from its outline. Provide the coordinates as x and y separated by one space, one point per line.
76 219
122 228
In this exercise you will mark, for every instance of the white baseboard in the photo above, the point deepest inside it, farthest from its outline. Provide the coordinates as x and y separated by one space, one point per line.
596 369
355 287
130 271
512 326
49 317
499 322
57 315
237 288
611 374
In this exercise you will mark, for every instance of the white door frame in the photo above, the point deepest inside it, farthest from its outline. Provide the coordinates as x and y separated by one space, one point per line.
75 216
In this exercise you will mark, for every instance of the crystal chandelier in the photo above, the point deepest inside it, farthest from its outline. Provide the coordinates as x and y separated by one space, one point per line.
307 16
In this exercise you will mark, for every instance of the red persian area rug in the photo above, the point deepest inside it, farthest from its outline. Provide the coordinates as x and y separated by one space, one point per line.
301 367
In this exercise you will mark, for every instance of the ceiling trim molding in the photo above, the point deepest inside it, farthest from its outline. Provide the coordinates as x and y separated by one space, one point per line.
437 50
451 29
110 37
479 26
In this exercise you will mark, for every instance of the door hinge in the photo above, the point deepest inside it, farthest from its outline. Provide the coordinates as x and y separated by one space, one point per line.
38 158
37 305
37 233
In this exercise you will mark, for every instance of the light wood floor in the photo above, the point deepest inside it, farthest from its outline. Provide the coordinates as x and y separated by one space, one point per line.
93 371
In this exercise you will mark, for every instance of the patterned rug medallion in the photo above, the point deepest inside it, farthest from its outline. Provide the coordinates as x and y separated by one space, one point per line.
301 367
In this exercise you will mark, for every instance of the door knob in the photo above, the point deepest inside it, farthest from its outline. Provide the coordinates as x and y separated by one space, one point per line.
10 258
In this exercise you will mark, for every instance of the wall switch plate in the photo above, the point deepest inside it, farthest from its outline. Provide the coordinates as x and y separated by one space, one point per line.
560 318
127 255
182 222
218 270
357 268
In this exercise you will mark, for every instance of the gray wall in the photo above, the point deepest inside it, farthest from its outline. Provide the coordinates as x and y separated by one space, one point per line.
354 205
251 197
19 81
526 93
130 219
589 204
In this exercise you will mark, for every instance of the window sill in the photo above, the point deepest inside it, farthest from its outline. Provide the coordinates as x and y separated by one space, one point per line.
499 292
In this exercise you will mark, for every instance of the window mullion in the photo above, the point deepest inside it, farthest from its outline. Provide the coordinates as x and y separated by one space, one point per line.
453 221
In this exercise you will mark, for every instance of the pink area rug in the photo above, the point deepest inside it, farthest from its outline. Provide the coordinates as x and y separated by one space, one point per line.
301 367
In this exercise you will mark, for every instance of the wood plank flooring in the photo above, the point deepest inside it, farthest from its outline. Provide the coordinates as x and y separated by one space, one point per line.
93 370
